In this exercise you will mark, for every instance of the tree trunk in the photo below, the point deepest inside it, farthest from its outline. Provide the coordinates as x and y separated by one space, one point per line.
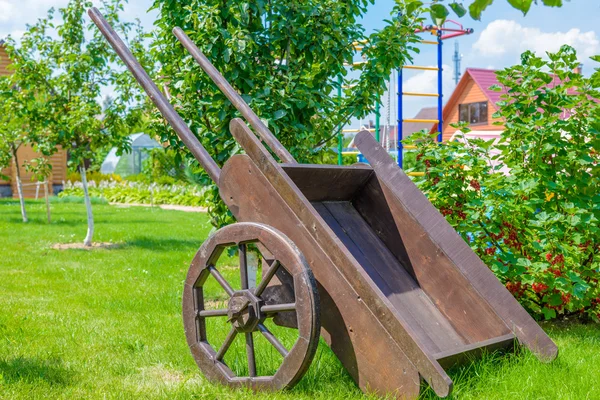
88 205
19 183
47 202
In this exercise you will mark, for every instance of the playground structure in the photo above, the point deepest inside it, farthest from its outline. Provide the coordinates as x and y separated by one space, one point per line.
450 29
398 294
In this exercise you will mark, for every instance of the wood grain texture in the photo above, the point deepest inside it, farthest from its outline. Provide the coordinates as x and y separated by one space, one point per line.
472 318
434 333
328 182
4 62
447 244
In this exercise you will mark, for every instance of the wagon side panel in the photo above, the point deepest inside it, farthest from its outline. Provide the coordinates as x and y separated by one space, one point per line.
367 351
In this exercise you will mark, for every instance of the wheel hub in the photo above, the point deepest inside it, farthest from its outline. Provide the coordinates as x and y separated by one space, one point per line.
243 311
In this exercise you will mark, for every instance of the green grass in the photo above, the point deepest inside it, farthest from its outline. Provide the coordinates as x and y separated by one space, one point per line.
106 324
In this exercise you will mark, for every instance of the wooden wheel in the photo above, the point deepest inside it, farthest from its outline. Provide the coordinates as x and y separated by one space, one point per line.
248 309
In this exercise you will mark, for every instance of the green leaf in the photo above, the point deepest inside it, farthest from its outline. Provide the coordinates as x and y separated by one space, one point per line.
458 9
553 3
439 13
580 289
523 5
528 279
549 313
477 7
524 262
555 299
279 114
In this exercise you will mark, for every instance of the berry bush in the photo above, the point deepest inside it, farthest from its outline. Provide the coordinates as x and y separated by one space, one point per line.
528 204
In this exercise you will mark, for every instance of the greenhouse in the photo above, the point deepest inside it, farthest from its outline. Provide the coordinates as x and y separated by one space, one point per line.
130 163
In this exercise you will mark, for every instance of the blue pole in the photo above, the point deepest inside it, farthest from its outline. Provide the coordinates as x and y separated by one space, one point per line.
440 89
400 113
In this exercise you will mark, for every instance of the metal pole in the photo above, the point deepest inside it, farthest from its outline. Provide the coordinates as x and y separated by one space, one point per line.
400 117
159 99
440 88
340 133
377 121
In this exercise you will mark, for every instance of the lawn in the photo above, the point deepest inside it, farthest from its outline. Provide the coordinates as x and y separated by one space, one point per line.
106 323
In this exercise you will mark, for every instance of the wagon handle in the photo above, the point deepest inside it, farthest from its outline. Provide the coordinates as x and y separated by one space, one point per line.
233 96
159 99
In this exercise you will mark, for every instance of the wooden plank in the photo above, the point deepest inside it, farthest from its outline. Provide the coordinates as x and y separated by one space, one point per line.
432 329
469 352
471 316
346 267
448 245
4 62
328 182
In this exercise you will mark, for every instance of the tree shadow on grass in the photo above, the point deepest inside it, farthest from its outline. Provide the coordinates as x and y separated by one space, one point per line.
35 370
166 244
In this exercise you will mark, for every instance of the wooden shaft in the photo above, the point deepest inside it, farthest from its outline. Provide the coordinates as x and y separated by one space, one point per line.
161 102
233 96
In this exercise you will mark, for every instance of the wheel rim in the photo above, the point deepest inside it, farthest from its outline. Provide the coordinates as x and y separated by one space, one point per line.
247 309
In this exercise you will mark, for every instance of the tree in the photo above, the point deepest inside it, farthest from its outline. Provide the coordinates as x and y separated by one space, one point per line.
19 116
537 227
285 58
76 70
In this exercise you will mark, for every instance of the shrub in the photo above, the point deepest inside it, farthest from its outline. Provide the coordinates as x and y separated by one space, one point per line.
96 177
138 193
535 226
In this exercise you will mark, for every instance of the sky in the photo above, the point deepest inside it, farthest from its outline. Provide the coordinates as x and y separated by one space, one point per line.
497 42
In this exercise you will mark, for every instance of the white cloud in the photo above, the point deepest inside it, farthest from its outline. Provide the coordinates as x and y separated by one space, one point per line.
7 10
20 12
427 81
505 38
16 14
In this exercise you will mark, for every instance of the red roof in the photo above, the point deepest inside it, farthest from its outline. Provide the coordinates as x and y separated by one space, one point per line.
486 78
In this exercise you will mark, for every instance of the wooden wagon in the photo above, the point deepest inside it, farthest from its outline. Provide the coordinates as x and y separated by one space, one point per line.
396 293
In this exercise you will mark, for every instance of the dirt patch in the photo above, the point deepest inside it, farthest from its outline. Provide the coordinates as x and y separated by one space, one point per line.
80 246
163 374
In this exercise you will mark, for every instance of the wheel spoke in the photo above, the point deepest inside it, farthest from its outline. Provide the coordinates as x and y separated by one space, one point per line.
212 313
273 340
267 278
243 266
224 284
251 355
275 308
228 341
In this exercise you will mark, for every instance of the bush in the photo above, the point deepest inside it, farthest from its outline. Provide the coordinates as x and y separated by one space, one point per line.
138 193
96 177
535 226
76 200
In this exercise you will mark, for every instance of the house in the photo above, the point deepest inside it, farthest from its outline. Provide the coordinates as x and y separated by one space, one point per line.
4 61
58 160
473 101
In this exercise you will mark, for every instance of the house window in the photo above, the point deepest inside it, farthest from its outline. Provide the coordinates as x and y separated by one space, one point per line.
474 113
